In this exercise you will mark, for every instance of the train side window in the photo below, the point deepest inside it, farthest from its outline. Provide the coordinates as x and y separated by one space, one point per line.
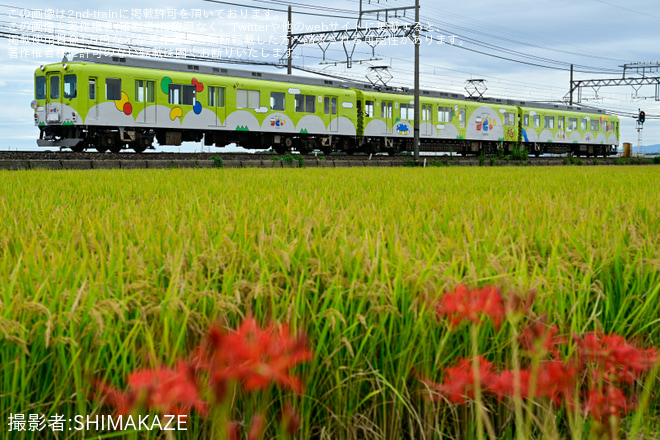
426 113
310 103
174 97
241 98
560 122
216 96
277 101
583 124
189 97
407 111
54 87
386 110
113 89
444 114
212 99
305 103
572 123
369 109
248 98
40 84
92 89
536 121
509 119
70 86
403 111
461 117
526 120
221 96
549 122
595 125
139 90
151 88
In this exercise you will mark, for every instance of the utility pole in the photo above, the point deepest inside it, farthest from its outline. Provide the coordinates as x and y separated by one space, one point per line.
289 47
570 102
417 106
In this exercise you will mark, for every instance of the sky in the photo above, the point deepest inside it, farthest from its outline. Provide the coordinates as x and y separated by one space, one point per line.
522 49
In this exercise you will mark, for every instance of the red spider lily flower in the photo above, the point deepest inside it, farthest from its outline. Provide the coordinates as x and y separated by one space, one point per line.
459 381
122 402
170 391
471 304
540 339
503 385
557 381
255 356
613 402
617 359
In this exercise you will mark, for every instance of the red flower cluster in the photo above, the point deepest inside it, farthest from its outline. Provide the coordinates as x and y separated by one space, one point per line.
613 402
616 359
555 380
167 390
465 304
606 361
541 340
254 356
459 383
257 357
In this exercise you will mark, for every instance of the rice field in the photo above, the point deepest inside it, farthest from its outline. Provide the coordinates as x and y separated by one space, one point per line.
106 272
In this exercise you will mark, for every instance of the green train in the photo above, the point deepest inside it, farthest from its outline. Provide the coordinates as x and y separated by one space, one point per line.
111 103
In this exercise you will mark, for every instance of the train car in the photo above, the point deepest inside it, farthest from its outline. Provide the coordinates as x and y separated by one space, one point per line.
453 123
559 129
112 103
448 122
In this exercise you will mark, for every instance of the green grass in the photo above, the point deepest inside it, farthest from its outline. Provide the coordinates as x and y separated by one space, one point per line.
103 272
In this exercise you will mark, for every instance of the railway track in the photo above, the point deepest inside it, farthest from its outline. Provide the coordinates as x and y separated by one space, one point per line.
70 155
15 160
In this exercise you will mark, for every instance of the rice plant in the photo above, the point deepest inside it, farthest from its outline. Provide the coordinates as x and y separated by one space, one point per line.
104 273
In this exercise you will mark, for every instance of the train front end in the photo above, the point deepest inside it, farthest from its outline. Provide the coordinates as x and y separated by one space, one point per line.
56 106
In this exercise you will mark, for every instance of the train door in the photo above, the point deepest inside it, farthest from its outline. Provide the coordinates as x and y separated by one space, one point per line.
145 100
54 97
93 113
386 113
330 111
217 104
427 120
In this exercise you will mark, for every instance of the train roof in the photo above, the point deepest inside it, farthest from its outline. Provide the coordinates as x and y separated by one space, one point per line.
197 67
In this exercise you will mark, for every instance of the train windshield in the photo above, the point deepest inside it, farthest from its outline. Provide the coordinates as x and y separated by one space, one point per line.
40 84
70 86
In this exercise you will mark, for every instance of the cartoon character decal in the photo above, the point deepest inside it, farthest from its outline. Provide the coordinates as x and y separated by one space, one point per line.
402 129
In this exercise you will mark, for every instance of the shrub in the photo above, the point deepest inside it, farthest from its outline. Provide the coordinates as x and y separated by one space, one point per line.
218 162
